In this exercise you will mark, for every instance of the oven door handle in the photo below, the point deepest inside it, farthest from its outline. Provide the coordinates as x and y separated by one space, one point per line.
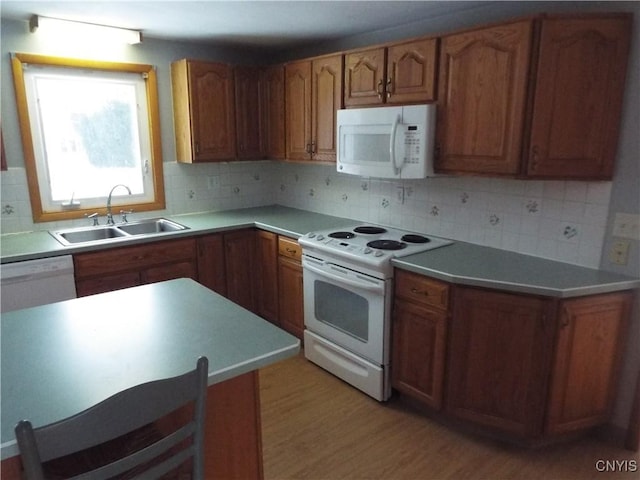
342 280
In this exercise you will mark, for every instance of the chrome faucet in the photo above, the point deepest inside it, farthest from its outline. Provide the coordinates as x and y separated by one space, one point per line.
109 214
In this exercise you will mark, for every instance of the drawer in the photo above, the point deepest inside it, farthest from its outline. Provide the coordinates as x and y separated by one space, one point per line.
288 247
421 289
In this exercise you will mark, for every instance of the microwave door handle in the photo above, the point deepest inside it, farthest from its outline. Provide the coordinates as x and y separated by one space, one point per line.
392 145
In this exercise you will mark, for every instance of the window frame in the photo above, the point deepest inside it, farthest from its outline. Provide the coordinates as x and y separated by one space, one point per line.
18 60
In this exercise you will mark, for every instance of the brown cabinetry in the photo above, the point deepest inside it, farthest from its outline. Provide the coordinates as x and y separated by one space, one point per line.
249 112
240 265
400 73
419 337
313 96
267 275
204 111
498 360
290 289
103 271
540 97
273 102
211 266
589 343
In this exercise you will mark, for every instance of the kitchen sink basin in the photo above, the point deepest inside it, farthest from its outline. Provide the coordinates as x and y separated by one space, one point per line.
157 225
107 233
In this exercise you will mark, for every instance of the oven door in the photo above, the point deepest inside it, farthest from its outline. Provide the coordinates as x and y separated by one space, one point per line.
347 308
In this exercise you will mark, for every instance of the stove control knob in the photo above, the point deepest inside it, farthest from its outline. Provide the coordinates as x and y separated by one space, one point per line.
379 253
320 238
367 250
311 235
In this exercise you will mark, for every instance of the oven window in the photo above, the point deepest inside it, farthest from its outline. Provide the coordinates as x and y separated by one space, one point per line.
342 309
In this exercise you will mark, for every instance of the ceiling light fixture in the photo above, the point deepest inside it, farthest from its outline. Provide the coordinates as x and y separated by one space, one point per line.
83 31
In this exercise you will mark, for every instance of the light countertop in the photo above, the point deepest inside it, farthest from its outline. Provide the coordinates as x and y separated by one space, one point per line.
61 358
461 263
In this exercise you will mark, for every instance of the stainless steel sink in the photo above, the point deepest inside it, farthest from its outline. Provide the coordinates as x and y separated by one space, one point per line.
157 225
108 233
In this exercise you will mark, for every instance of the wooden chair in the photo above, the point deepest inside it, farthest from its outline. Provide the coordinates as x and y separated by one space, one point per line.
118 415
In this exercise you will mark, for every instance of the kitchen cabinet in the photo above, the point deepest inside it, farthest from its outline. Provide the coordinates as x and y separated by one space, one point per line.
578 96
204 111
290 286
267 281
538 98
211 265
420 316
398 74
499 355
273 101
249 112
113 269
483 80
240 263
590 340
313 97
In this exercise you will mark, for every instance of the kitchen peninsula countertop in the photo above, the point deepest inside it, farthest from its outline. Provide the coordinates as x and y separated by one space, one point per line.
62 358
460 263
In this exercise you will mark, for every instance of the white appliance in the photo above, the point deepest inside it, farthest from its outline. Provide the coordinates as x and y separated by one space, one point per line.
36 282
387 142
348 285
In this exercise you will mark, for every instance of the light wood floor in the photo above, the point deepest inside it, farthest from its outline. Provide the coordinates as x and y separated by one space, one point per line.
317 427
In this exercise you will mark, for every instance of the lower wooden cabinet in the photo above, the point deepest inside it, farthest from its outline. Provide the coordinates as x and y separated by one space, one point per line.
211 265
123 267
591 332
498 360
267 276
419 337
525 367
240 265
290 293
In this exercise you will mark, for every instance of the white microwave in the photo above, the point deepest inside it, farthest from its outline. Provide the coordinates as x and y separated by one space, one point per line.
386 142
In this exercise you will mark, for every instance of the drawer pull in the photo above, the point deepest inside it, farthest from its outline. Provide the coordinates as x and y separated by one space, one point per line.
421 292
291 251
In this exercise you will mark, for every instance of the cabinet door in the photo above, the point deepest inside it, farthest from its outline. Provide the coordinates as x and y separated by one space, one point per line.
169 272
298 107
418 354
211 95
589 345
578 97
267 281
411 72
240 263
498 362
291 296
274 112
249 112
107 283
211 265
326 101
364 77
482 99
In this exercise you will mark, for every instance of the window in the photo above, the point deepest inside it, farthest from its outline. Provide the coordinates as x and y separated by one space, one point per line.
86 127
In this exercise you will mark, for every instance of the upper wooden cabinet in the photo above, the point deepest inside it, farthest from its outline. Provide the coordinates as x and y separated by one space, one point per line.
273 107
313 96
482 99
578 97
249 112
204 111
400 73
540 98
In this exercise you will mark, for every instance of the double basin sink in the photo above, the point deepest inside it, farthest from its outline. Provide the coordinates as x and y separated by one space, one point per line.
105 233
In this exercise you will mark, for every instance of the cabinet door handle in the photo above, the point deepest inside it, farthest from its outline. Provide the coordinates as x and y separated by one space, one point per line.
389 88
379 88
535 157
565 318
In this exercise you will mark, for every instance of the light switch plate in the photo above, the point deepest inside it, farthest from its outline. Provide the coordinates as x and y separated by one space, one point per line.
626 225
619 253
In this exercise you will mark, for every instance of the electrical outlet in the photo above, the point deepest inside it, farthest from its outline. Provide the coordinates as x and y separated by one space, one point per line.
619 253
400 194
626 225
213 181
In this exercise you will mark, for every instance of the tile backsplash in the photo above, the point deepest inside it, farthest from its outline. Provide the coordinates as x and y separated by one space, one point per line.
560 220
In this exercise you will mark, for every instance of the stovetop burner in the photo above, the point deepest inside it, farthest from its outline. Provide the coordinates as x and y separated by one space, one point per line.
413 238
383 244
345 235
369 230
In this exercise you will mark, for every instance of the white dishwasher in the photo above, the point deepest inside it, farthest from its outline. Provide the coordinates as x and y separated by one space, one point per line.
36 282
